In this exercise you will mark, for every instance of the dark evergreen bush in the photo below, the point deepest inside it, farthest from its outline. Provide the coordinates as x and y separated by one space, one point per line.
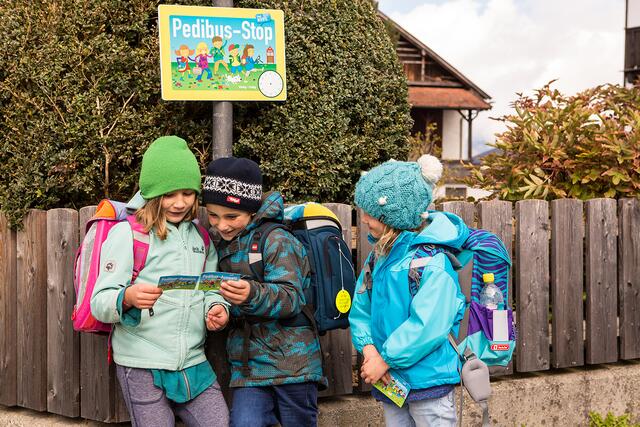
80 101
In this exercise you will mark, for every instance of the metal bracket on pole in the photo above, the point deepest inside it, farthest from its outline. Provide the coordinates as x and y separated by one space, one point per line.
222 120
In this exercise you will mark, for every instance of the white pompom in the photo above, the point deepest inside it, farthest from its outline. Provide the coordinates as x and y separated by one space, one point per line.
430 167
382 200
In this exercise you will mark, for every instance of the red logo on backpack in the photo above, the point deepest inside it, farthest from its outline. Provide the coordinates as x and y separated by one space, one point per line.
232 199
500 347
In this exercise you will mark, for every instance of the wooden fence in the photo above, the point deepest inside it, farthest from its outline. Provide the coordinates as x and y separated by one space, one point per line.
576 277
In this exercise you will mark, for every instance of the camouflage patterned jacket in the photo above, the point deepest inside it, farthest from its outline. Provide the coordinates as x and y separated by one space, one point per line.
277 354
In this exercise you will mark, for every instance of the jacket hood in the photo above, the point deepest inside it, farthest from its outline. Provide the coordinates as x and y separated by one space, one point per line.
444 229
272 209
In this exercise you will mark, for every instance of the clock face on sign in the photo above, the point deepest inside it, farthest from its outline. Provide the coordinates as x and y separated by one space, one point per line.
270 84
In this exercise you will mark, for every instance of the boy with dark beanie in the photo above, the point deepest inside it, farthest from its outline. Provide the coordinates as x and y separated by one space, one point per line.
275 368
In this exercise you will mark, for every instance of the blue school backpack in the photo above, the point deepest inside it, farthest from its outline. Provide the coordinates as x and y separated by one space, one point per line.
328 298
488 254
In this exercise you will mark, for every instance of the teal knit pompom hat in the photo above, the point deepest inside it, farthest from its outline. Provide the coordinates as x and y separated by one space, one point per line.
398 193
168 165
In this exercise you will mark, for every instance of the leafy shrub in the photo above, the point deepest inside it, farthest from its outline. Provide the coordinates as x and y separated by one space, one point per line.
80 101
596 420
581 146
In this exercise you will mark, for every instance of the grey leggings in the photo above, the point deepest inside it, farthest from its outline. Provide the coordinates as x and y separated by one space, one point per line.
148 405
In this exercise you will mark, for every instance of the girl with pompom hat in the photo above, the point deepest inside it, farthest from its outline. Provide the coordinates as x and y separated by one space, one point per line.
404 334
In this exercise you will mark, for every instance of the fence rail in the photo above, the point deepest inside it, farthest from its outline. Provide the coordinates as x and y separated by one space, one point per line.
576 278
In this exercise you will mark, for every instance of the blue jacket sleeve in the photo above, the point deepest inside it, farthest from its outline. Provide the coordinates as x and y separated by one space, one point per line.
432 314
360 316
286 274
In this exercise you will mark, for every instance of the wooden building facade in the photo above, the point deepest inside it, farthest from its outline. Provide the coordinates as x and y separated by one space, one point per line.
438 93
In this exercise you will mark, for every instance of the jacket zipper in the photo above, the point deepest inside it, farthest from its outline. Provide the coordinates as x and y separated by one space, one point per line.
186 381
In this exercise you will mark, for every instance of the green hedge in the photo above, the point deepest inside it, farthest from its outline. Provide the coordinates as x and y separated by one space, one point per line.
80 102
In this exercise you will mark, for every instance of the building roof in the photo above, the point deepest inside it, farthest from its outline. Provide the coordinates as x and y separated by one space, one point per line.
453 91
446 98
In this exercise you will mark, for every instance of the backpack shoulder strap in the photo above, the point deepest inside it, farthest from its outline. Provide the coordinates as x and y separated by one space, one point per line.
204 233
140 246
256 247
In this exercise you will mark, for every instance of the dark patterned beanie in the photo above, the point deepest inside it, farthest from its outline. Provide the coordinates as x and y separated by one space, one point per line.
233 182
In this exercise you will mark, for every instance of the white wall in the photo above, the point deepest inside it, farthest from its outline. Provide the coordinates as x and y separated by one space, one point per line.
452 122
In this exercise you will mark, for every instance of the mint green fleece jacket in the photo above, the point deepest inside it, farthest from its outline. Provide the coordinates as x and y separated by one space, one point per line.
173 338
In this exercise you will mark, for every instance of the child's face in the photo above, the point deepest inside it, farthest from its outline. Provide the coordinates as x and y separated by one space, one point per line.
234 51
249 52
177 204
227 221
376 228
184 52
217 43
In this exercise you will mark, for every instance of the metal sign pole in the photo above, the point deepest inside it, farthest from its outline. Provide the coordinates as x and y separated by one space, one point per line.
222 115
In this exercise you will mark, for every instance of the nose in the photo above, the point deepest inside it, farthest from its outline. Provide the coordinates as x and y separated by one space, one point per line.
179 202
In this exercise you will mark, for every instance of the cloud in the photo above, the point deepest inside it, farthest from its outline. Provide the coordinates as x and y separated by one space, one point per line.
515 46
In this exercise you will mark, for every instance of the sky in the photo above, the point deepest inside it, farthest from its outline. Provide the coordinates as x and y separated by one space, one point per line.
515 46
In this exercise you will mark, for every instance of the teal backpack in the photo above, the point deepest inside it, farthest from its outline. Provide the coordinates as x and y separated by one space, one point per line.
491 333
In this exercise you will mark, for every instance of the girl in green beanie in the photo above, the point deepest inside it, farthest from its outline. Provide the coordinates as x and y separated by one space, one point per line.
158 338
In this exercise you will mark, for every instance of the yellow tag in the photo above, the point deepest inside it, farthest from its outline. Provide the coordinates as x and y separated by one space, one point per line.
343 301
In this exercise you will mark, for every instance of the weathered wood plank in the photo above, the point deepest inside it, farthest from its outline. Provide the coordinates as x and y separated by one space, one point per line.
8 314
465 210
100 394
336 345
602 282
629 277
363 249
496 216
32 311
532 290
63 344
567 236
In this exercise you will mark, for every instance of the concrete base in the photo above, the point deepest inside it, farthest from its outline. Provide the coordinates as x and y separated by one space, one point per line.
558 398
561 397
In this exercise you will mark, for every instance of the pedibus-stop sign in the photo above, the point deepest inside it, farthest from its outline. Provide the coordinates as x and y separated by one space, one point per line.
221 54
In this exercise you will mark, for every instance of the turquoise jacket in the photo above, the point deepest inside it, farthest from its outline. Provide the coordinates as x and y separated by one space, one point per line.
411 334
173 339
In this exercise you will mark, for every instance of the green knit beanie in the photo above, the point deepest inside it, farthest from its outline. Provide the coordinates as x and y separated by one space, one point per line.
168 165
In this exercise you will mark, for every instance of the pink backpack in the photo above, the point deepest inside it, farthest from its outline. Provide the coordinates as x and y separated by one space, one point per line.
87 265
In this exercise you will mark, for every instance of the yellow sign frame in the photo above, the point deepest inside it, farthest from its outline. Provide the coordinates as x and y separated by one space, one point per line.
179 73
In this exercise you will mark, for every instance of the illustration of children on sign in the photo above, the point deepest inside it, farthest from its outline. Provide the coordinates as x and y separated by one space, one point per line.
202 61
183 60
247 59
217 51
234 59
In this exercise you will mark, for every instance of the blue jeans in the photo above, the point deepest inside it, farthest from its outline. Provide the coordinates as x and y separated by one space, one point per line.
422 413
291 405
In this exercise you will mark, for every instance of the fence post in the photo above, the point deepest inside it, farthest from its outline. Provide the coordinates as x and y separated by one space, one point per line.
336 345
532 290
567 234
32 311
496 216
629 277
63 344
100 394
602 281
8 315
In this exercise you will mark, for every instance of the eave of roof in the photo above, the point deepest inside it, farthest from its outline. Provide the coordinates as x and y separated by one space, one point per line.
435 56
446 98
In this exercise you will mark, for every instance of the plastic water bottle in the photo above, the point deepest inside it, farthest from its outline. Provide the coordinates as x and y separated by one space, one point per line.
491 295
